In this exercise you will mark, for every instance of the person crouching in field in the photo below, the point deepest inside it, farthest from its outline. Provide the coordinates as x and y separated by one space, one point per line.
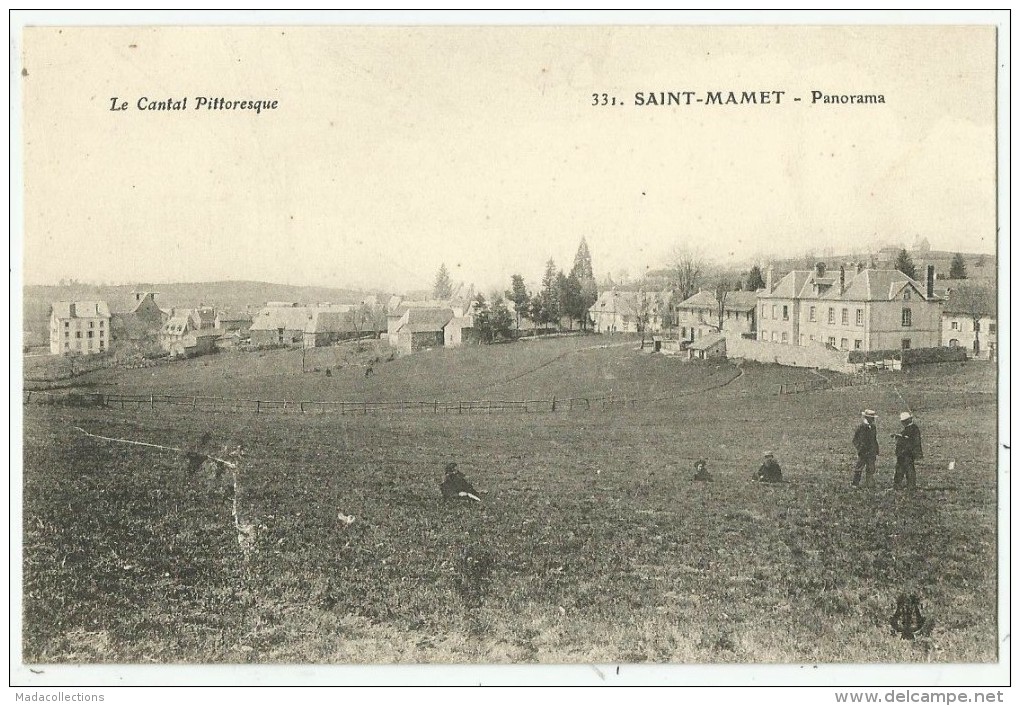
769 471
908 451
866 443
456 487
701 470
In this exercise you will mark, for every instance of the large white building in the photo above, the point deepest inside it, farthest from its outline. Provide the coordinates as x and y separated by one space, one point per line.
79 328
852 309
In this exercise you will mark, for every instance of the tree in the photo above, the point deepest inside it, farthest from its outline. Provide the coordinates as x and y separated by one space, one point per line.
548 306
958 268
754 280
570 297
588 291
685 272
905 264
501 321
519 295
721 292
442 288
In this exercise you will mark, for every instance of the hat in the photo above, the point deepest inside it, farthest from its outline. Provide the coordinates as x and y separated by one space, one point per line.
904 416
869 413
450 467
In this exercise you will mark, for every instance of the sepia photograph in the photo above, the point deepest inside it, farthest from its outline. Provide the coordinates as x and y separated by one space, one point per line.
561 341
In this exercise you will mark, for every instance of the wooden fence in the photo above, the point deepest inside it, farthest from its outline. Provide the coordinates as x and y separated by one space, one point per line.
257 406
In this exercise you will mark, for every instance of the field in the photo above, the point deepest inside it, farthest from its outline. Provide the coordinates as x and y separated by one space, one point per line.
601 547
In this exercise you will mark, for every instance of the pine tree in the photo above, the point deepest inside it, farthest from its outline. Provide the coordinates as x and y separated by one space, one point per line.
584 275
958 268
905 264
443 288
754 279
519 295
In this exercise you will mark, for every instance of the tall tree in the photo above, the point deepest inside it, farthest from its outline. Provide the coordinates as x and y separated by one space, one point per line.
570 297
588 293
958 268
501 321
442 288
519 295
685 272
548 298
905 264
755 281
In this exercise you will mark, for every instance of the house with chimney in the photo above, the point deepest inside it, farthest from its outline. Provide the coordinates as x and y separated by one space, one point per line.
854 308
969 320
138 319
619 311
79 327
701 314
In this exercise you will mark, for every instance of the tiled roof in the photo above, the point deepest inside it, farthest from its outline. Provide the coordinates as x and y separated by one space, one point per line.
426 319
706 341
972 300
80 309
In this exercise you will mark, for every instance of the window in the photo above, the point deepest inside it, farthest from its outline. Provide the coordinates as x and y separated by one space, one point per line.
763 311
774 309
905 320
764 335
100 345
92 324
100 334
860 317
786 313
906 294
773 335
67 324
844 344
101 324
954 343
992 328
846 317
905 343
832 341
77 334
785 338
812 337
858 344
977 327
90 334
67 334
811 314
67 345
832 315
955 325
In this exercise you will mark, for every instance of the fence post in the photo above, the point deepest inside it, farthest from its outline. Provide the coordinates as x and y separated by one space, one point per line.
435 407
152 403
460 407
302 407
554 403
258 404
29 398
194 402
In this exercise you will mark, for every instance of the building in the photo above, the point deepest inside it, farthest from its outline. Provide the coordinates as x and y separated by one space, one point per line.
969 320
138 319
423 327
231 322
459 330
79 328
280 326
172 335
855 309
326 327
711 345
397 316
631 312
699 315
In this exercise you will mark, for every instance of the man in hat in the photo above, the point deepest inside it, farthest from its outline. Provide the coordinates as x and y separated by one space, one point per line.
701 470
769 471
866 443
908 451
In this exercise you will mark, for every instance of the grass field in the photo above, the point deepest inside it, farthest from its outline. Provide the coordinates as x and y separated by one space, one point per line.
602 548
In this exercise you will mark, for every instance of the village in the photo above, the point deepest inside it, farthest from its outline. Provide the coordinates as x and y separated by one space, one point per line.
839 315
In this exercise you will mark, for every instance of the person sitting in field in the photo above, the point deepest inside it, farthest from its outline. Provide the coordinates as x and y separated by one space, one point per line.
701 470
456 487
769 472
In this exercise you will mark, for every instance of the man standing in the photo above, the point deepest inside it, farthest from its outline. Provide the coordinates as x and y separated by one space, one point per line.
866 443
908 451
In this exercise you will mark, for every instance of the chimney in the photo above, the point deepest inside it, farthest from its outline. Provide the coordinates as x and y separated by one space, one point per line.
931 282
860 267
842 279
768 280
820 269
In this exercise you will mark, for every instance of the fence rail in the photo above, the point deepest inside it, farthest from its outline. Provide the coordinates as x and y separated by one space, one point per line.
343 408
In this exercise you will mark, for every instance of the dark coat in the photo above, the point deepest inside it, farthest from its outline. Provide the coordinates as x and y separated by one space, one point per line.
770 472
454 484
908 442
866 440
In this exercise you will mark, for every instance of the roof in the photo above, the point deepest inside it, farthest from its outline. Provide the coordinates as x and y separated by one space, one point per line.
331 322
208 332
461 322
880 285
735 301
972 300
288 318
426 319
788 287
708 341
630 303
179 323
80 309
228 316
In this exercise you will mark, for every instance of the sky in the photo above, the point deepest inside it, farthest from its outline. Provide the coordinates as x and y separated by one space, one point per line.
396 149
